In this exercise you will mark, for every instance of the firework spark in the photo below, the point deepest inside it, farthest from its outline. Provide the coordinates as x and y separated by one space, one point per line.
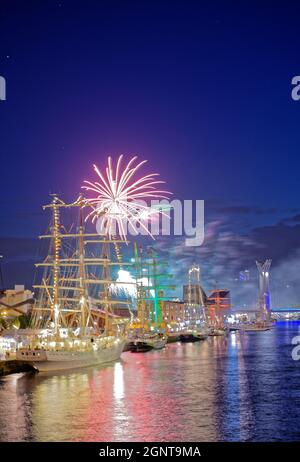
121 195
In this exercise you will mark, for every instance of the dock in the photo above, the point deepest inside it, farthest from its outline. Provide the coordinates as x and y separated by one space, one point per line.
13 367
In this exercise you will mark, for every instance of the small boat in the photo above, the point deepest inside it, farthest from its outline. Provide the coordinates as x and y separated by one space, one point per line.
233 328
217 332
148 342
202 333
128 346
140 347
193 335
188 338
255 327
173 337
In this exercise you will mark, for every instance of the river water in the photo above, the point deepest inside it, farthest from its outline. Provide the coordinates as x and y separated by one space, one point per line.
242 388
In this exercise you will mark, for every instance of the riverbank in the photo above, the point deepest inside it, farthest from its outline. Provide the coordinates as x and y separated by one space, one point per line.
13 366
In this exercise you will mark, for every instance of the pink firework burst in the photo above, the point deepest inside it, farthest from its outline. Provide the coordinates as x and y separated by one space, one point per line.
121 196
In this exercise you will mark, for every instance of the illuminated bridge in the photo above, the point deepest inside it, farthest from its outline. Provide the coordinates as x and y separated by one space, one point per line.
292 312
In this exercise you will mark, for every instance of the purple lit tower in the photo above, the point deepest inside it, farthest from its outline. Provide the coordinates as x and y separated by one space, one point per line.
264 303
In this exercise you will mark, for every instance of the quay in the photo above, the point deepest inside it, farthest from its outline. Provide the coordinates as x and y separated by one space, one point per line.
13 366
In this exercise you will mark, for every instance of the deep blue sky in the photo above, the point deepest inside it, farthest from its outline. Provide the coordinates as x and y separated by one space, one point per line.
200 89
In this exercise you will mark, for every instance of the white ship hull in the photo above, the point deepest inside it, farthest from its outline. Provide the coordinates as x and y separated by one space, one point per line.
254 328
218 332
158 343
202 336
47 360
146 343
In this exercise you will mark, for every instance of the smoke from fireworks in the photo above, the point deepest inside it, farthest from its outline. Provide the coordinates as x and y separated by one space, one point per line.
126 285
121 195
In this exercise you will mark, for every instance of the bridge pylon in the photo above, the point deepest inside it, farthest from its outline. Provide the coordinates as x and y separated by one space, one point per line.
264 302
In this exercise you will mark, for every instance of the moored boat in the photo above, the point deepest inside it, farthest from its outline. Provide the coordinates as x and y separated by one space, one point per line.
148 342
140 347
202 333
62 357
255 327
189 337
173 337
216 332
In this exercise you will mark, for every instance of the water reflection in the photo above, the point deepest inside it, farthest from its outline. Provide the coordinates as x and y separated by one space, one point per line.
118 382
223 389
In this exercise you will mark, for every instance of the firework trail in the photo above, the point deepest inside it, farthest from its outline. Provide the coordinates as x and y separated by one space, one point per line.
121 194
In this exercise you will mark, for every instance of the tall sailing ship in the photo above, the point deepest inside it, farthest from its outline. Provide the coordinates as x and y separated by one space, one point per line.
195 312
148 330
73 322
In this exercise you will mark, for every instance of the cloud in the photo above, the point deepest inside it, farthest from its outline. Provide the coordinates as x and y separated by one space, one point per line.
226 252
291 220
278 241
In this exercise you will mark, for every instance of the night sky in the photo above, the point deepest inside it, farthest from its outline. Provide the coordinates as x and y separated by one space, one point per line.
200 89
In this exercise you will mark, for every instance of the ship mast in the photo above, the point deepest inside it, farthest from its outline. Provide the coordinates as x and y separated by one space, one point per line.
55 300
106 281
154 286
140 290
66 299
158 287
83 300
56 254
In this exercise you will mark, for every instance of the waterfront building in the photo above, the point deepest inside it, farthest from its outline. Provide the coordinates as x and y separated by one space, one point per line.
15 302
218 306
194 298
194 294
172 311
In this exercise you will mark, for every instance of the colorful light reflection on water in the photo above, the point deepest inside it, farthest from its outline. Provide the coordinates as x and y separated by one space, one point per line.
243 388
